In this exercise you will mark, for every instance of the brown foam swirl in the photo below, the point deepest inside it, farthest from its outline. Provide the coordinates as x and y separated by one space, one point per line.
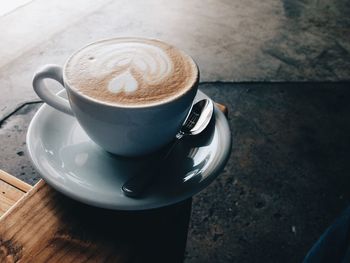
131 71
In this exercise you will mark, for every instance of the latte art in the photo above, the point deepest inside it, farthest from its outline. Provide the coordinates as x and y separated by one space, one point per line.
131 71
151 63
123 82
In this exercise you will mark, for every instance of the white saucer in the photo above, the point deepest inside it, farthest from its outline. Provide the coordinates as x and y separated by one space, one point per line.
74 165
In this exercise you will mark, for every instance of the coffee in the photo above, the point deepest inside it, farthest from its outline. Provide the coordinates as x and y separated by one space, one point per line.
131 72
130 95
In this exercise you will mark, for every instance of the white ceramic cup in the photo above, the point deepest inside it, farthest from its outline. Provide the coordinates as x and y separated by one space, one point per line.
127 131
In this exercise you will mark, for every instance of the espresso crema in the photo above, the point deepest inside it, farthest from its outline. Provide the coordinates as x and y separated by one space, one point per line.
131 72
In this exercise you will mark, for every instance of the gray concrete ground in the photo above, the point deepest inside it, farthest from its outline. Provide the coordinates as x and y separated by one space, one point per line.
287 177
286 180
231 40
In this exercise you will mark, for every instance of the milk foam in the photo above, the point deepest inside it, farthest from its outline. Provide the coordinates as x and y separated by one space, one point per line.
151 62
130 71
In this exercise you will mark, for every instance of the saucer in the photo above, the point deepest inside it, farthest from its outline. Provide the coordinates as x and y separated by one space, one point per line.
74 165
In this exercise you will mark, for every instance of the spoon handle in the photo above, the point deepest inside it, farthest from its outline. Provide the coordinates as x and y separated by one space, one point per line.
137 184
173 145
196 121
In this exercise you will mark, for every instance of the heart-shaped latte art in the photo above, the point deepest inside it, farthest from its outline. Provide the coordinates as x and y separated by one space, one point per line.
150 63
123 82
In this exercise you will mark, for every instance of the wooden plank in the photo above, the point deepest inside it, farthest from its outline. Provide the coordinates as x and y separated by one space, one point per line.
222 108
11 190
45 226
20 185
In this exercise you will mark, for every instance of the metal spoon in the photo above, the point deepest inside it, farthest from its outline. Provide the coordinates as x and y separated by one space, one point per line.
197 120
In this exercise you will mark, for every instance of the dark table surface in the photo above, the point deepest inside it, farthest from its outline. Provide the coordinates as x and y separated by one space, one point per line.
288 176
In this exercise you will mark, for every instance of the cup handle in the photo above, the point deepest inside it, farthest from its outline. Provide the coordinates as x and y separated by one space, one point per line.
51 72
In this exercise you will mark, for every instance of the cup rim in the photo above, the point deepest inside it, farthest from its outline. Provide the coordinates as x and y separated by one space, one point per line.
192 85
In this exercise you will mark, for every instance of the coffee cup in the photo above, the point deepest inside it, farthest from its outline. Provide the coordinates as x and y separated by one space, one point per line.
130 95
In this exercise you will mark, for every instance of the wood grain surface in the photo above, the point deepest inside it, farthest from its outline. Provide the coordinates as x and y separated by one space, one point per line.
222 108
45 226
11 190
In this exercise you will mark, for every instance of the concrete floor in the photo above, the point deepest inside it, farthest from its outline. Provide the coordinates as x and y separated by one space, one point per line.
231 40
287 177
